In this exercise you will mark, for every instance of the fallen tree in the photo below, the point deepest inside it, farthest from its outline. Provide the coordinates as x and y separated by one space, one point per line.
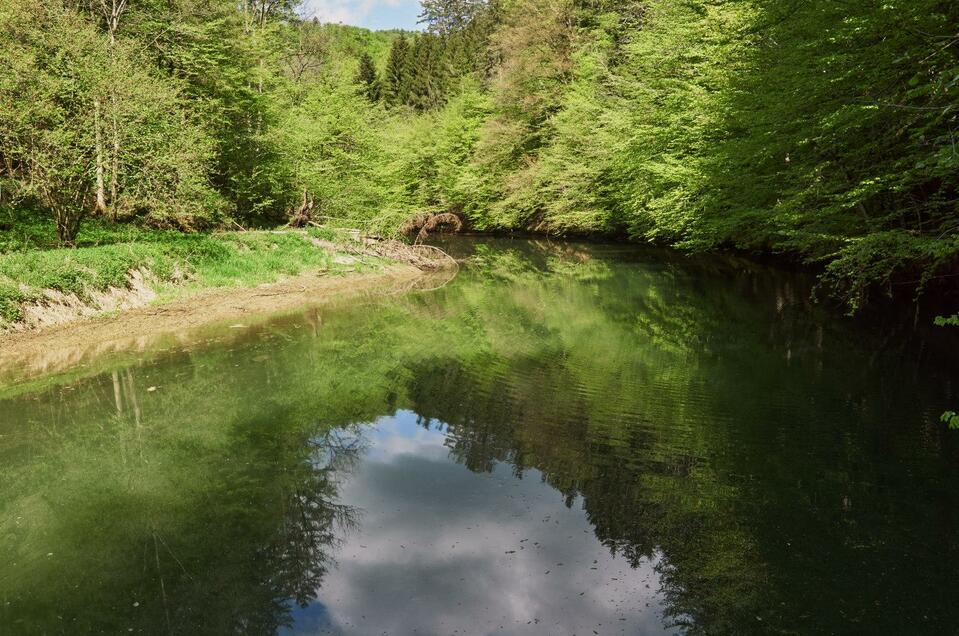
418 228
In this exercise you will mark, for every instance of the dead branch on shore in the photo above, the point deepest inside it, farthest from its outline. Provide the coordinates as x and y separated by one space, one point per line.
424 257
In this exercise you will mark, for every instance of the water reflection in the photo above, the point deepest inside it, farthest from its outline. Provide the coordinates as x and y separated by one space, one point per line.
460 461
444 550
118 522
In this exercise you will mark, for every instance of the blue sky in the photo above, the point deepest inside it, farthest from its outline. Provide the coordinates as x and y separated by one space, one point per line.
373 14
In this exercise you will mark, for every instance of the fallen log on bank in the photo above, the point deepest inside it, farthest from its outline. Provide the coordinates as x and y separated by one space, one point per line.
418 228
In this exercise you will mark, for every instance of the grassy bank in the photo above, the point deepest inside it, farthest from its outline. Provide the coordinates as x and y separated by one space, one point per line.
173 263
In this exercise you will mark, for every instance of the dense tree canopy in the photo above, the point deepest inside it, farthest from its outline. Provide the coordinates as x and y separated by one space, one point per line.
822 130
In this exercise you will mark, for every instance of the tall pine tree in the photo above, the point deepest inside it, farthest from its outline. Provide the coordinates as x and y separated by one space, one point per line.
397 79
368 78
427 73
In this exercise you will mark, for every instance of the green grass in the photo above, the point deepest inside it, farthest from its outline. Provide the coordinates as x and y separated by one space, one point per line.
251 258
11 300
179 262
26 229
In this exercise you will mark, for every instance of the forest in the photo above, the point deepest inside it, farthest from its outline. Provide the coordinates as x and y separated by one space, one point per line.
823 132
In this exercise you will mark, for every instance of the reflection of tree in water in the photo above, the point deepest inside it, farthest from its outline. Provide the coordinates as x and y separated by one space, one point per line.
645 501
284 537
711 421
623 487
315 521
199 526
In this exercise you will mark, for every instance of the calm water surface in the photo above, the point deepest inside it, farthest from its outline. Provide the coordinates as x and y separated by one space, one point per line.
566 439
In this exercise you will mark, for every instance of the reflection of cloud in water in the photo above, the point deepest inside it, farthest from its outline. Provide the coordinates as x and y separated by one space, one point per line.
395 437
445 551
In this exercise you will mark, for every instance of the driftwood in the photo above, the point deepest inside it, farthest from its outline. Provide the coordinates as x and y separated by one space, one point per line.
424 257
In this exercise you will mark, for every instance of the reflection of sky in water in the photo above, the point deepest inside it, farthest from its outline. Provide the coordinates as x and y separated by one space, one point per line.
442 550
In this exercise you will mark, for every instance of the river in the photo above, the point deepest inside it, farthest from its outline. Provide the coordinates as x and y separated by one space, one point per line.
565 439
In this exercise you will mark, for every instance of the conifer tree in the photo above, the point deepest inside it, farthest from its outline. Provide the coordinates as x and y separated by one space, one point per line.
396 79
368 78
427 73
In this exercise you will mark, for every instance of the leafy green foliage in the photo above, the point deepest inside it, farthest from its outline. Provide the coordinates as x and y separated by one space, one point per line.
951 418
82 115
449 16
818 130
767 126
368 78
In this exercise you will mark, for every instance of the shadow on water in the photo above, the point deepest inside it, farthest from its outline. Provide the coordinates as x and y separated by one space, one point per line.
566 438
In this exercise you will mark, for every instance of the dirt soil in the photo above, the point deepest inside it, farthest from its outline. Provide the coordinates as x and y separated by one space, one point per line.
55 348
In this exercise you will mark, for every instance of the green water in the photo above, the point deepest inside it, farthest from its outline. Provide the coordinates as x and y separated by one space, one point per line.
565 439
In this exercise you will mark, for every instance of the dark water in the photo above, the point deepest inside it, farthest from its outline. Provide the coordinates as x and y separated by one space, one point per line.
567 439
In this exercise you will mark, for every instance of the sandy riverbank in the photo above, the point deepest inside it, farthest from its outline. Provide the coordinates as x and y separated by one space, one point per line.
57 348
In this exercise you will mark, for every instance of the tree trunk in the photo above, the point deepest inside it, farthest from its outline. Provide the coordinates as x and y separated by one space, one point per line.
115 164
67 226
112 14
303 216
101 204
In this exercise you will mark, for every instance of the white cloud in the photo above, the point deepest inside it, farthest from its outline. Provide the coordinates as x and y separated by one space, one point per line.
349 11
